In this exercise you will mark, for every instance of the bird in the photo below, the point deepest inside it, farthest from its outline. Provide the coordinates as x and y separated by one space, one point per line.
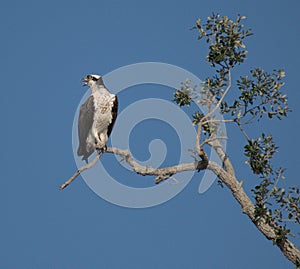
97 117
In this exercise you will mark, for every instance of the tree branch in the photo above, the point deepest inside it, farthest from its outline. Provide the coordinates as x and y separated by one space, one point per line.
81 169
211 139
198 146
227 177
217 121
221 99
242 130
288 249
214 142
160 173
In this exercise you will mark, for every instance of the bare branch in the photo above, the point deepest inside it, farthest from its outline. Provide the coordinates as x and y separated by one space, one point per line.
211 139
216 121
161 173
81 169
214 142
221 99
242 130
198 147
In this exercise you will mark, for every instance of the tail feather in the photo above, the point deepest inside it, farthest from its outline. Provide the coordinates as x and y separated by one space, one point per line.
84 153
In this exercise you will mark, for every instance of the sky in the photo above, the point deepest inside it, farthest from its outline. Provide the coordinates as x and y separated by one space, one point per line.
45 49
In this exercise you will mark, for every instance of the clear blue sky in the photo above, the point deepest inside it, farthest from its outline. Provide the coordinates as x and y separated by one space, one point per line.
45 49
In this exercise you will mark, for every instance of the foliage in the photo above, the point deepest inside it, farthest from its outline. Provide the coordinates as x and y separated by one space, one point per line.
225 38
182 98
208 128
274 203
259 94
260 152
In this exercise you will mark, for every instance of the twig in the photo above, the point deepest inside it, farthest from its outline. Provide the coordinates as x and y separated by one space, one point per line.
81 169
281 170
214 120
242 130
221 99
208 140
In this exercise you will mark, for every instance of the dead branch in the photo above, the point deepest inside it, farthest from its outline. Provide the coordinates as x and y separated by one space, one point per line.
160 173
81 169
211 139
216 121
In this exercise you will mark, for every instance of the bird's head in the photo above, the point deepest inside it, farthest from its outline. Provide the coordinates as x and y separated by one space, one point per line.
91 80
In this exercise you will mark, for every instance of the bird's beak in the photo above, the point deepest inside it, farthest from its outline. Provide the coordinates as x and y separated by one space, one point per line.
84 80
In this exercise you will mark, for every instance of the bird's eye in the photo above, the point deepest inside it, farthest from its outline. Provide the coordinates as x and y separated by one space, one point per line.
89 77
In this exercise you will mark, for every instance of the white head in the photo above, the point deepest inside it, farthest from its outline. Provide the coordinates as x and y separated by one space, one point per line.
91 80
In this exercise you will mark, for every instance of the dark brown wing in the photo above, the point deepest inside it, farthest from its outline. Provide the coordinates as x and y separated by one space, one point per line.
114 112
85 122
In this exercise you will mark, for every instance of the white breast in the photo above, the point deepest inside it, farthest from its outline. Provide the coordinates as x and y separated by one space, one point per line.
103 103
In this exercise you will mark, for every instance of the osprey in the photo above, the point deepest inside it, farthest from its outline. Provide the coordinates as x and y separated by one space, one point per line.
96 118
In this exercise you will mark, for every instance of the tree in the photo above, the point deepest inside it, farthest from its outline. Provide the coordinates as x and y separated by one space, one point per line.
257 95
